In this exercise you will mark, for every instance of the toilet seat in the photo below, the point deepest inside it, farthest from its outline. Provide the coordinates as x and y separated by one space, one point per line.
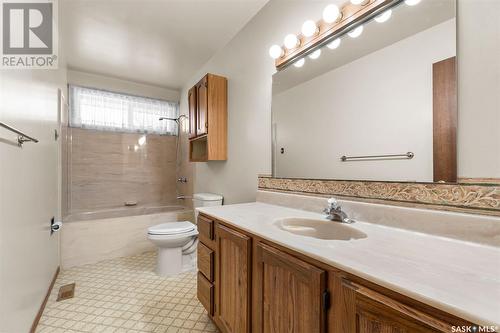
172 228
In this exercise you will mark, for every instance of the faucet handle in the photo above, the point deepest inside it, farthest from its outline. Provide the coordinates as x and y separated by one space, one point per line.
332 203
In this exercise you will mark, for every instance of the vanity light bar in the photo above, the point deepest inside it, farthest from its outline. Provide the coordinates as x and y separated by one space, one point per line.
350 16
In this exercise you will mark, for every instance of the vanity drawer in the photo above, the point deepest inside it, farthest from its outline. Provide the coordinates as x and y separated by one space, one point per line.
205 228
206 261
206 294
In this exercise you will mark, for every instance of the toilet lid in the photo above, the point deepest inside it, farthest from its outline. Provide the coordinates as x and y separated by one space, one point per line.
207 197
171 228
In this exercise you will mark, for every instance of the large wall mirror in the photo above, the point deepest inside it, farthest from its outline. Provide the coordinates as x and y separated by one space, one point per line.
379 106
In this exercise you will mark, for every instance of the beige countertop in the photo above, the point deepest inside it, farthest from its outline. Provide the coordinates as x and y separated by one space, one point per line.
458 277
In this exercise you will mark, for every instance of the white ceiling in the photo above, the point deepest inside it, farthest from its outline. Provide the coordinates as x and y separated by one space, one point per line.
158 42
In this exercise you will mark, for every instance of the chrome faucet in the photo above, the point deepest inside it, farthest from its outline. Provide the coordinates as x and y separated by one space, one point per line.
334 212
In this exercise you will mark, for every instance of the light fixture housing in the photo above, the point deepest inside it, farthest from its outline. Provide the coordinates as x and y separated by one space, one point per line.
299 63
359 2
334 44
412 2
331 13
315 54
356 32
291 41
309 28
275 51
384 17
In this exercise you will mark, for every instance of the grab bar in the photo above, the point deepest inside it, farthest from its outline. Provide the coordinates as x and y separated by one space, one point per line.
408 155
21 137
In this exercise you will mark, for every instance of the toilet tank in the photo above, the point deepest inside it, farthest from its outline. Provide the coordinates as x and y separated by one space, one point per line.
205 200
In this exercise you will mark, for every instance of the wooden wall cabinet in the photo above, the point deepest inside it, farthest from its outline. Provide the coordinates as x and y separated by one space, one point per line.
207 104
262 287
192 112
202 106
445 117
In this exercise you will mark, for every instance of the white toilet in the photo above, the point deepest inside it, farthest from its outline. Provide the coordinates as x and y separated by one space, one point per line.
177 241
205 200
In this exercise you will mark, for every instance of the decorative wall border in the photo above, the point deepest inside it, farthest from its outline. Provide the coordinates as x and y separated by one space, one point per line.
470 198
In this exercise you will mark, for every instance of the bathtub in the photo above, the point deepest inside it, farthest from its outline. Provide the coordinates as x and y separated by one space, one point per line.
121 212
91 237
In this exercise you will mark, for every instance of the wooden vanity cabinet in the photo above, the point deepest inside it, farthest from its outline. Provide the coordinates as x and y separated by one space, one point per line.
232 298
207 104
363 309
258 286
288 293
206 264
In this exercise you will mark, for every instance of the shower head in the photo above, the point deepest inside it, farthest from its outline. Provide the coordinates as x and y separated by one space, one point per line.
177 120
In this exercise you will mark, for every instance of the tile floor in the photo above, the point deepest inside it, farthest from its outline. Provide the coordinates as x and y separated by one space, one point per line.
125 295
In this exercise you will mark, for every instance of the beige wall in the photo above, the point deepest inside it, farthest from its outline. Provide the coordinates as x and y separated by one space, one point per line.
29 255
248 67
479 88
127 87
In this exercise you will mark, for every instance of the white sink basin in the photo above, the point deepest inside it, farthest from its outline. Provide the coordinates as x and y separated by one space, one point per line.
320 229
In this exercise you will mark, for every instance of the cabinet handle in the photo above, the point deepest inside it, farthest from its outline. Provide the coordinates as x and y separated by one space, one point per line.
398 306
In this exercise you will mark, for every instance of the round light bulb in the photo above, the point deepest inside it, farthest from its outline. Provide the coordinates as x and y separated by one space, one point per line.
359 2
331 13
291 41
275 51
356 32
412 2
333 45
384 16
299 63
315 54
309 28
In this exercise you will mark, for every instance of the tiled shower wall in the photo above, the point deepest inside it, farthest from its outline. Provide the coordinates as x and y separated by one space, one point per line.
107 169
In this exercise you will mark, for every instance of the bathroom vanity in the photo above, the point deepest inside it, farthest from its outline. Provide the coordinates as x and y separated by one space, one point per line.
368 116
267 268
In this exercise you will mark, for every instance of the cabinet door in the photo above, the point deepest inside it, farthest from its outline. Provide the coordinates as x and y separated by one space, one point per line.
232 303
377 313
287 293
192 112
202 107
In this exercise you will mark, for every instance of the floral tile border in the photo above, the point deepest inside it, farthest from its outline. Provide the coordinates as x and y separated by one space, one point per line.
472 198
